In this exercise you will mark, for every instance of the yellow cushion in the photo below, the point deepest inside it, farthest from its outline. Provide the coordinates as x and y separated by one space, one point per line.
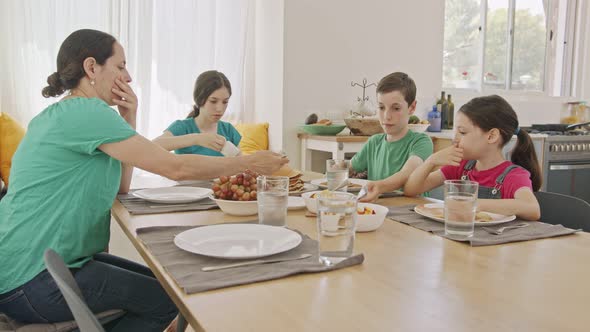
254 137
11 133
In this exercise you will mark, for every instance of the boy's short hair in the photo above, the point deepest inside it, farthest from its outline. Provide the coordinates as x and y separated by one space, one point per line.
401 82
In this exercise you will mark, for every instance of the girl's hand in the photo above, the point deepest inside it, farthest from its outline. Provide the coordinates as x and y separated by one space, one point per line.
373 192
127 101
450 156
210 140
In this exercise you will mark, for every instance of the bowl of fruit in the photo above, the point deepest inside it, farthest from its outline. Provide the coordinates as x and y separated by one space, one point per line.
236 194
417 125
314 126
370 216
311 201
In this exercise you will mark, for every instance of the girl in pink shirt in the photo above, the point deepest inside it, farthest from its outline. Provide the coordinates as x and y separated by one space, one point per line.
483 126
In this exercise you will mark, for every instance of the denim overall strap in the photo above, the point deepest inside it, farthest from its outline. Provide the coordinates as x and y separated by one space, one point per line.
483 191
468 167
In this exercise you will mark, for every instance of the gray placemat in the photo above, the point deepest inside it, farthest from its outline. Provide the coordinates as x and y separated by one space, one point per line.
185 267
138 206
535 229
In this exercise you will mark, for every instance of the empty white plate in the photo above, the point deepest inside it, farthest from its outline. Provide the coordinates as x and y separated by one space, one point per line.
237 241
295 203
172 195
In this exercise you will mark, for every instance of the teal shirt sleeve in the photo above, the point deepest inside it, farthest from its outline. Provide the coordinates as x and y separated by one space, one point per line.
178 128
422 147
92 124
234 135
360 161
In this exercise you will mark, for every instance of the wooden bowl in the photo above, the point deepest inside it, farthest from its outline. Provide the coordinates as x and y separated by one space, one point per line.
363 127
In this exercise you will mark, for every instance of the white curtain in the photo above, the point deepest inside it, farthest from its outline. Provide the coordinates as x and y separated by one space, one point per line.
167 44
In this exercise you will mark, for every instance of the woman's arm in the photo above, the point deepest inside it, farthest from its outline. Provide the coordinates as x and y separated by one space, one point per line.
140 152
524 205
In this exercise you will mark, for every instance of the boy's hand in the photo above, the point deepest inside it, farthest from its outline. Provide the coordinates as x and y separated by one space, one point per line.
373 192
450 156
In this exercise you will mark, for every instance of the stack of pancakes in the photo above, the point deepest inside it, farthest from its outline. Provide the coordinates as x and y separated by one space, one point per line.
295 181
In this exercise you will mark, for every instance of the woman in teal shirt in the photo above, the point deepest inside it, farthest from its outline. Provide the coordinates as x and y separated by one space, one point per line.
76 155
203 132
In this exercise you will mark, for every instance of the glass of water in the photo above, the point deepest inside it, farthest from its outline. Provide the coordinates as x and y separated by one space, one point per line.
336 219
337 173
460 205
272 193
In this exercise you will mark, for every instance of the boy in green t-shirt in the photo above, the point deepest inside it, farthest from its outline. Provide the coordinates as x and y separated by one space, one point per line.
390 158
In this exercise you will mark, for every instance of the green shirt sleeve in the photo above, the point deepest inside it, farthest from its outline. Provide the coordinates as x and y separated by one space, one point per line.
422 147
91 123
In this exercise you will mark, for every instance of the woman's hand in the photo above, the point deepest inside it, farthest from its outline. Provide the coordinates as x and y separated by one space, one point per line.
449 156
373 192
210 140
265 162
127 101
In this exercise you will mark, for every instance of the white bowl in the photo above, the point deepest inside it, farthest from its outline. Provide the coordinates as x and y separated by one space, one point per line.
419 127
311 203
237 208
370 222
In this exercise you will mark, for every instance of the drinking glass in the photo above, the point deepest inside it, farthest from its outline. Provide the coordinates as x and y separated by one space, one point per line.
336 219
337 173
460 205
272 193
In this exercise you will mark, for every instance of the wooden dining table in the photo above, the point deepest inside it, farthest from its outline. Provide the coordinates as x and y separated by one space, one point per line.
411 280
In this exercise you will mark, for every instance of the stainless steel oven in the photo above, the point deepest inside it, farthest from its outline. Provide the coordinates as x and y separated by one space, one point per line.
567 165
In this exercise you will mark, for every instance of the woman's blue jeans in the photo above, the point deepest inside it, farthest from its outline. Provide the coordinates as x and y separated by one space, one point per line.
107 282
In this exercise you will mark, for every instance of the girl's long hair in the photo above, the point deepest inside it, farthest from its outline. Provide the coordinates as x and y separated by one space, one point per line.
493 111
207 83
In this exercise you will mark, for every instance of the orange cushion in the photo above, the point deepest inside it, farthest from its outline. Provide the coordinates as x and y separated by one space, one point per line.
11 133
254 137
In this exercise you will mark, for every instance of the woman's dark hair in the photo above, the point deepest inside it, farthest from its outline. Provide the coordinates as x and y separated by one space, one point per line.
401 82
79 45
491 112
207 83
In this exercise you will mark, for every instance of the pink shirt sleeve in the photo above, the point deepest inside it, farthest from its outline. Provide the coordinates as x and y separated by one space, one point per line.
516 179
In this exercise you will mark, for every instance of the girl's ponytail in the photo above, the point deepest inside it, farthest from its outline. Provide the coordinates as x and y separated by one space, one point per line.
525 156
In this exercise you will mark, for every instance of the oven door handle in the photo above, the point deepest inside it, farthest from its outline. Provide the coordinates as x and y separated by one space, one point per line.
567 167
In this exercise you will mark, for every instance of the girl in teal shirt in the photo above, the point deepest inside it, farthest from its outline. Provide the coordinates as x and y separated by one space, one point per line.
203 132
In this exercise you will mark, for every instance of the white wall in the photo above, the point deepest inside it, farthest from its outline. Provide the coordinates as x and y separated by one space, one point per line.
330 43
268 69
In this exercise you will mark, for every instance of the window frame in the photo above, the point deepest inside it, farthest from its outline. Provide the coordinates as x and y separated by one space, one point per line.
567 64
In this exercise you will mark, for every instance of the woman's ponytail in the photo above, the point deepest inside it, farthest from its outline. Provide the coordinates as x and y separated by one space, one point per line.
55 86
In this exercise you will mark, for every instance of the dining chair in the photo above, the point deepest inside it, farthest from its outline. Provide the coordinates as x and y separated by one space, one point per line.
85 319
568 211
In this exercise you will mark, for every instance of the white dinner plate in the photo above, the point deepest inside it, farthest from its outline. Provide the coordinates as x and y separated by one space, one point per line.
355 187
237 241
173 195
435 211
295 203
